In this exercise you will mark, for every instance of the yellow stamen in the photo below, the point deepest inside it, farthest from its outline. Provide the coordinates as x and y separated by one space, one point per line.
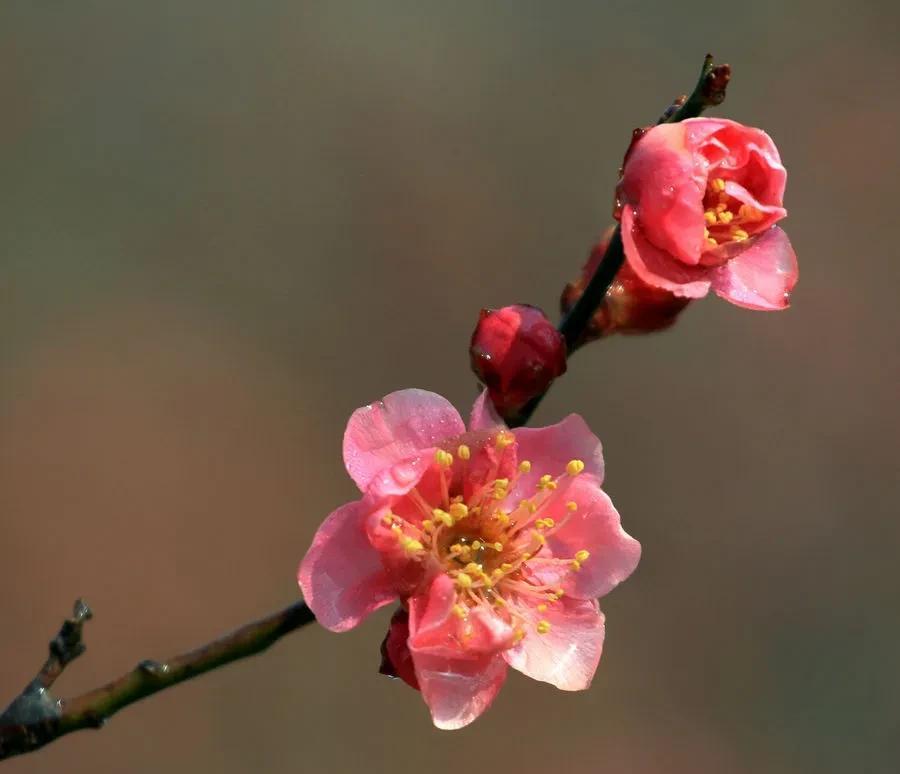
524 466
718 184
542 608
463 581
726 217
710 217
572 505
582 555
443 458
428 525
504 439
459 611
463 452
443 517
459 511
498 546
575 565
574 467
543 626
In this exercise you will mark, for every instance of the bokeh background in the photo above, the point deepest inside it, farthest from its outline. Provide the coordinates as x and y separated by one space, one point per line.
225 225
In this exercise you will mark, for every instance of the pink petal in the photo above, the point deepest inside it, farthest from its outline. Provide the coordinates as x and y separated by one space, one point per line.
484 416
341 576
458 663
549 449
394 429
659 268
664 183
567 655
594 527
458 691
762 276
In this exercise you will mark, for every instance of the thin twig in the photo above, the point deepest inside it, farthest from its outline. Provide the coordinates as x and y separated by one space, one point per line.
36 718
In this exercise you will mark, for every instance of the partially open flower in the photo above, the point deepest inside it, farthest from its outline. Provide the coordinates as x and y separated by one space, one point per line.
496 542
517 353
630 304
698 202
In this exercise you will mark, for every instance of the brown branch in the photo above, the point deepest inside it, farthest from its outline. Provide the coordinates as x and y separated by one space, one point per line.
36 717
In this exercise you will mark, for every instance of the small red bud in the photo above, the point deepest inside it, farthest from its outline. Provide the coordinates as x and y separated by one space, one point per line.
630 304
517 353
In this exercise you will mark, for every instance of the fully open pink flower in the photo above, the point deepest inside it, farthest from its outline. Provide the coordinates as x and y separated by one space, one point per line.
699 202
497 543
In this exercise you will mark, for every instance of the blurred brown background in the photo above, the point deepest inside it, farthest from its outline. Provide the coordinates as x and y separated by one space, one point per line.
224 226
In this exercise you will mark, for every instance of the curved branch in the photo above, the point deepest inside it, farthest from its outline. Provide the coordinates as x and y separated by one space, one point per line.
37 718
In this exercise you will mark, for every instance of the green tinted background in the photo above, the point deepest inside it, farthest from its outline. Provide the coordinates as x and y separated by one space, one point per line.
225 225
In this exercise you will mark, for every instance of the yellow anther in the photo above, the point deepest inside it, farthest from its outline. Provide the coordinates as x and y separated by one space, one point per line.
546 482
718 184
463 581
497 574
456 549
506 567
528 505
387 520
463 452
726 217
502 517
560 592
711 242
721 206
574 467
476 545
498 546
538 537
710 217
443 458
543 626
459 611
553 597
542 608
524 466
459 511
499 601
412 545
526 556
443 517
549 523
575 565
572 505
501 483
518 634
504 439
582 555
738 234
473 569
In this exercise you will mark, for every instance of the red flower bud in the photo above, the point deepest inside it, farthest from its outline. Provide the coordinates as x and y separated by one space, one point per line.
517 353
630 304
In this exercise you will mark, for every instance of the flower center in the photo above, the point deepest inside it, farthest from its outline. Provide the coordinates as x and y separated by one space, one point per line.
726 217
494 548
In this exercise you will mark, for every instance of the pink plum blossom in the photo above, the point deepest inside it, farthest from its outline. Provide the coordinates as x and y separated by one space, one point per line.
699 201
496 542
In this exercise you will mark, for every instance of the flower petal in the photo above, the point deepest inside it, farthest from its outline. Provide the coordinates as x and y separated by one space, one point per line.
394 429
761 276
595 527
664 183
458 691
549 449
657 267
458 664
341 576
484 416
568 654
